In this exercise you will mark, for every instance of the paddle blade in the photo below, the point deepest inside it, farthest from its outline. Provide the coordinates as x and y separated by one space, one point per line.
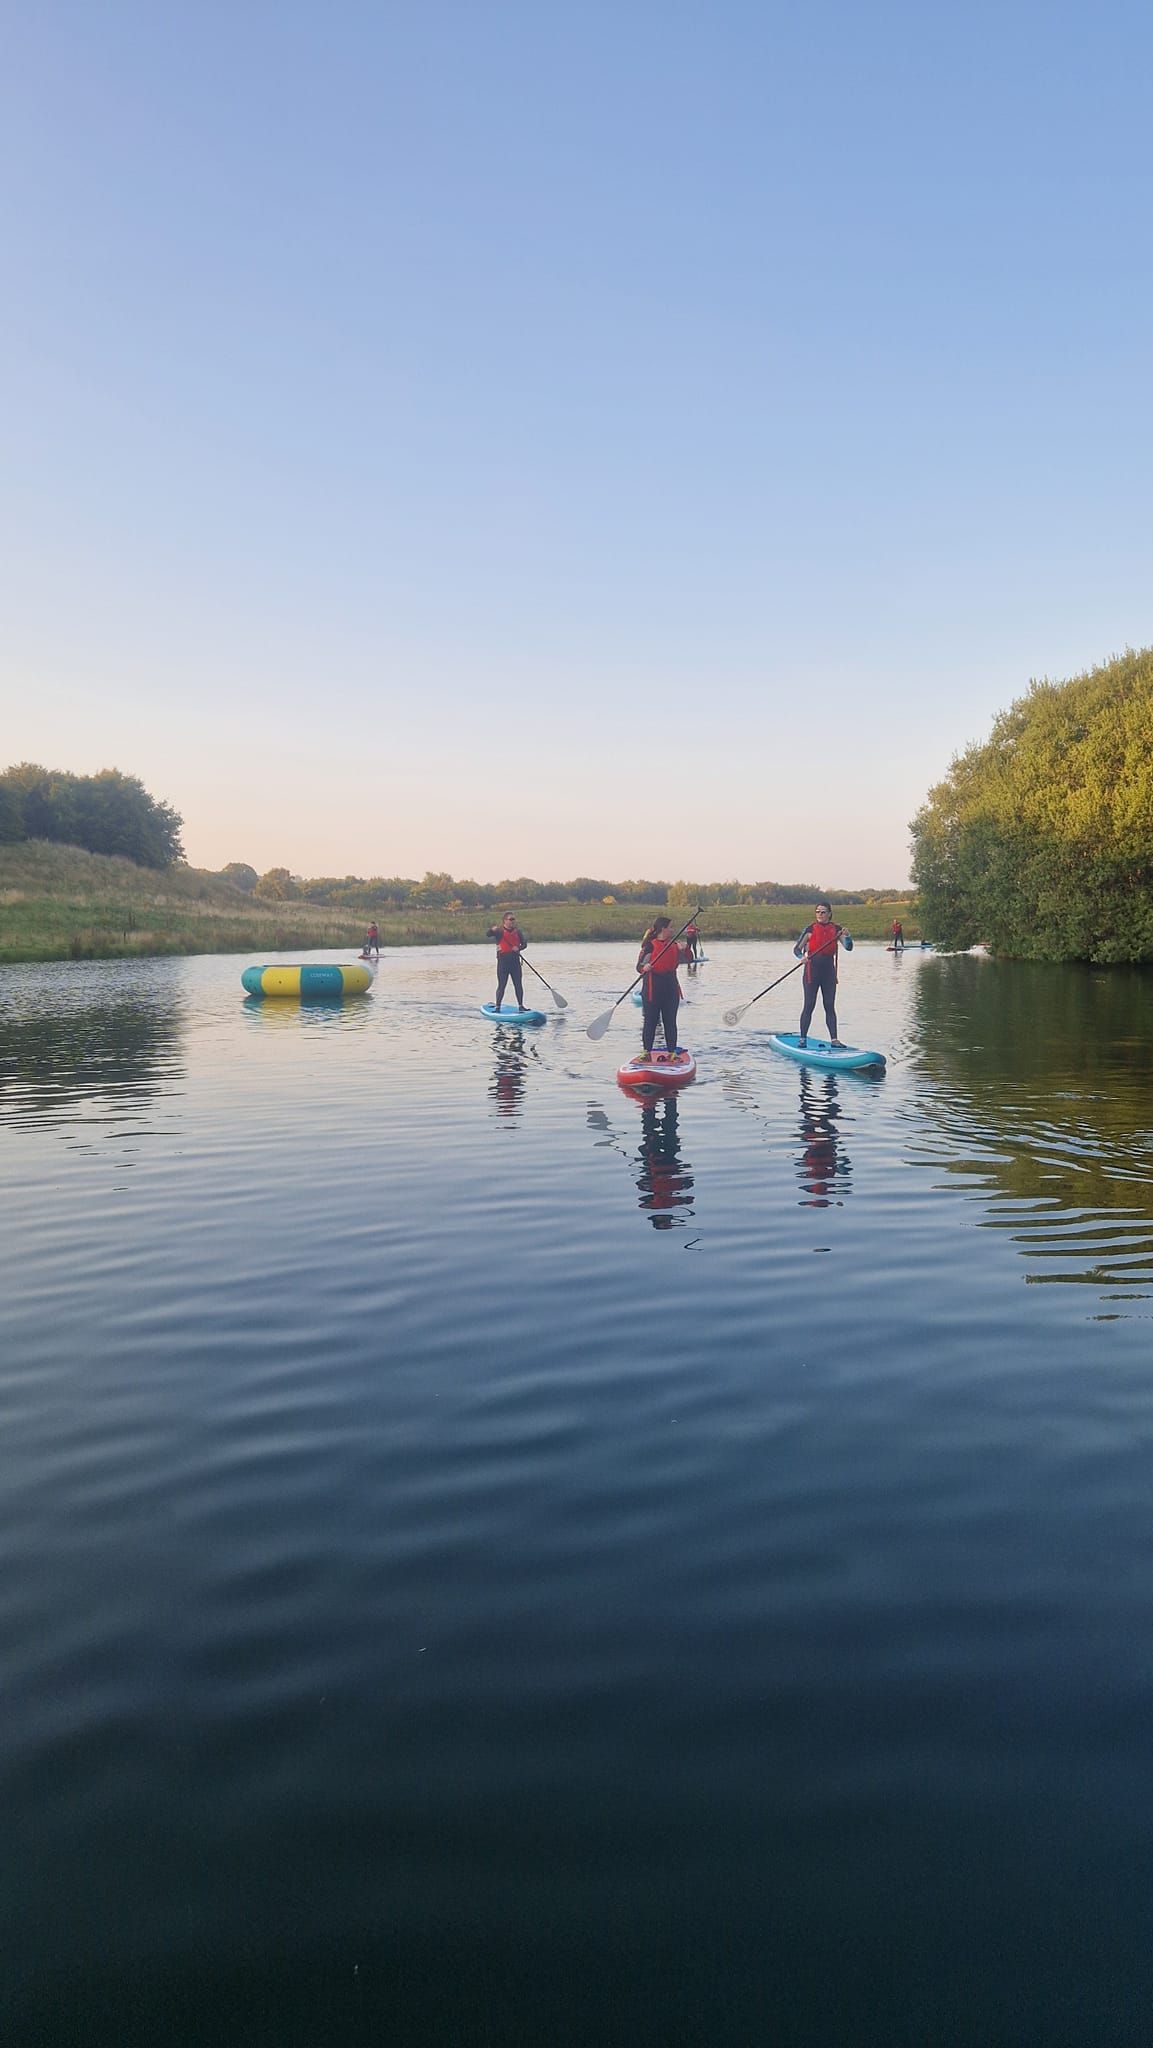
560 1001
600 1024
734 1016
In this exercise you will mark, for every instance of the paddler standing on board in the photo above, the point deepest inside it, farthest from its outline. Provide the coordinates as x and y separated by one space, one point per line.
897 935
510 944
658 960
817 947
692 942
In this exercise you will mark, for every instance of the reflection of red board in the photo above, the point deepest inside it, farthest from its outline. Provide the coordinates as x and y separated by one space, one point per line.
658 1070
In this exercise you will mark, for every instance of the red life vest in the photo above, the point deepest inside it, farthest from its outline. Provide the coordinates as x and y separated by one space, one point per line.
822 939
664 957
509 942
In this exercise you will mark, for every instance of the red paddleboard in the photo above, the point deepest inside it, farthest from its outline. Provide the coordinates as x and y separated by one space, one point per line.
658 1069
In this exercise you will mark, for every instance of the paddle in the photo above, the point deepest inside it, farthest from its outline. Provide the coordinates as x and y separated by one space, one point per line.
600 1024
734 1016
560 1001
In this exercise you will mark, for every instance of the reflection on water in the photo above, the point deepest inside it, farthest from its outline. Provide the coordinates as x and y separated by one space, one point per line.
824 1173
511 1055
665 1181
420 1622
64 1059
1040 1080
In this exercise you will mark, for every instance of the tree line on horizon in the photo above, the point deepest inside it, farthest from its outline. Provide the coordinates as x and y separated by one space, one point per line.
1039 842
441 891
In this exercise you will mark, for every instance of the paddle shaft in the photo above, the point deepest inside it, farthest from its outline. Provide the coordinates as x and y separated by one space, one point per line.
734 1014
561 1001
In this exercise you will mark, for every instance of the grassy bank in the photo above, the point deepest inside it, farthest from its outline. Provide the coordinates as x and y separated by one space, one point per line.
60 903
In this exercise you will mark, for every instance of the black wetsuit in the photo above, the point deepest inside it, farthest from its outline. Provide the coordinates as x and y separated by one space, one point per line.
661 992
662 1000
508 968
820 975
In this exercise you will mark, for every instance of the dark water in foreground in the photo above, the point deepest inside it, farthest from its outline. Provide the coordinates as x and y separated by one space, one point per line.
487 1561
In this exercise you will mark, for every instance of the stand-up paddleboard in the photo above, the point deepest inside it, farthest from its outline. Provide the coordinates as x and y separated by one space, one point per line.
821 1052
639 999
658 1069
514 1016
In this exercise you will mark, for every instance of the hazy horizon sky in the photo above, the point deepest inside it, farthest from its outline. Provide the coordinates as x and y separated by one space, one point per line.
555 439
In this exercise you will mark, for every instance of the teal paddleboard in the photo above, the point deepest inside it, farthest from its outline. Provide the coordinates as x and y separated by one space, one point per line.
507 1016
821 1052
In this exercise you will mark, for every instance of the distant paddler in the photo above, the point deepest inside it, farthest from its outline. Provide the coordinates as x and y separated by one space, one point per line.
817 947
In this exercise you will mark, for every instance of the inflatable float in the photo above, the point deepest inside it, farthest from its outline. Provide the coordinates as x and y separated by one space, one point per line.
821 1052
513 1016
311 984
658 1069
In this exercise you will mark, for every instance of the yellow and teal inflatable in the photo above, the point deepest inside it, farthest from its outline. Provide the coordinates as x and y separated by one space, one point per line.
308 984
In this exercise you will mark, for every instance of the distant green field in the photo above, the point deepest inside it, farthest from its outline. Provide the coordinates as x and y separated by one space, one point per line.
558 921
58 902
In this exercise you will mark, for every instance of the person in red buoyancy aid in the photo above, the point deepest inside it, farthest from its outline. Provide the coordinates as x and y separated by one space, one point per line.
372 942
510 944
817 947
692 943
897 935
658 960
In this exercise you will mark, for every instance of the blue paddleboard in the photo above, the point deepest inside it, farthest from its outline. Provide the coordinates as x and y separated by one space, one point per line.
819 1052
514 1016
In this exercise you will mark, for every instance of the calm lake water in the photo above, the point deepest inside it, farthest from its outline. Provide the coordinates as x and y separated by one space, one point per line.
487 1560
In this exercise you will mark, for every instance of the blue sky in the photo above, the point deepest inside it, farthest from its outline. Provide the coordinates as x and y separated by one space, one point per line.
556 438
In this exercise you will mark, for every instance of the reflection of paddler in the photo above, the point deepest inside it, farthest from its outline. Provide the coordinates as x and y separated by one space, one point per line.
510 944
821 1163
817 947
658 960
507 1087
665 1181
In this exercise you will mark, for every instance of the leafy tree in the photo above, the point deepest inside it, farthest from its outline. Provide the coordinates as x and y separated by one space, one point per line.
1040 839
106 813
11 814
241 876
277 886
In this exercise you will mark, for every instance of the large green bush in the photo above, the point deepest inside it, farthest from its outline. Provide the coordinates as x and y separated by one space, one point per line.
106 813
1040 840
